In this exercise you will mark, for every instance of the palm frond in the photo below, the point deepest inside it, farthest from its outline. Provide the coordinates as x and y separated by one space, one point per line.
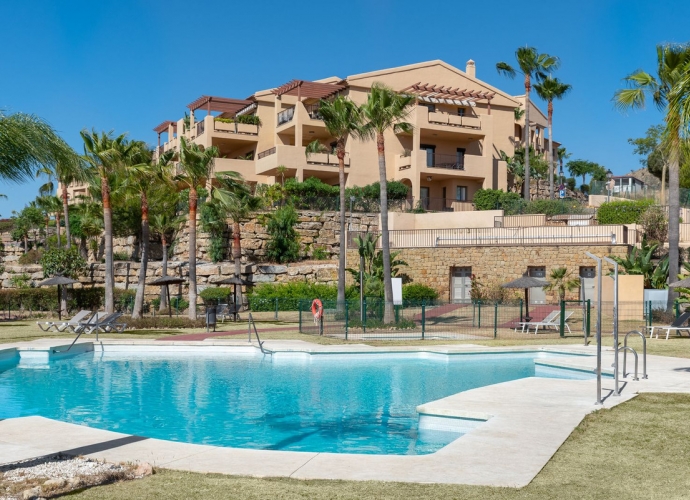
505 69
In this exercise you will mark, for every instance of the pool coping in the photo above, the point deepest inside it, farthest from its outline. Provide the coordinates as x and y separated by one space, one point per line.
527 420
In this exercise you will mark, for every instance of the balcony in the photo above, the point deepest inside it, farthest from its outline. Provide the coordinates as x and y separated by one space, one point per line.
447 122
448 162
327 159
313 111
235 128
286 116
244 167
462 165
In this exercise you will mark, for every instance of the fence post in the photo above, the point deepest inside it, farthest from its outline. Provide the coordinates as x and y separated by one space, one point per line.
562 325
589 316
479 314
276 315
521 311
677 309
364 316
423 319
299 309
495 319
347 318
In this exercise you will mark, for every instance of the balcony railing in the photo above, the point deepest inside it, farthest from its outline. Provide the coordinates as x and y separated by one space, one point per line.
327 159
450 162
268 152
199 128
313 111
547 235
286 115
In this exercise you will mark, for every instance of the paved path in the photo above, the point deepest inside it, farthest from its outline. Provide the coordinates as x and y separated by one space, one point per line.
210 335
527 420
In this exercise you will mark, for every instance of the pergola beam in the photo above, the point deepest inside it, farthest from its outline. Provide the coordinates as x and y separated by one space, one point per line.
304 89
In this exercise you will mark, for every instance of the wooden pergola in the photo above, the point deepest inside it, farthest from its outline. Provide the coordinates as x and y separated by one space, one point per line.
439 93
164 127
220 104
308 90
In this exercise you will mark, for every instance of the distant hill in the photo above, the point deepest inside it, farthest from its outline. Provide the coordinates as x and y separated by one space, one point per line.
644 175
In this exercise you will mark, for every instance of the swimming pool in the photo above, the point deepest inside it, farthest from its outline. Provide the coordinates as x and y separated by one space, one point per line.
342 403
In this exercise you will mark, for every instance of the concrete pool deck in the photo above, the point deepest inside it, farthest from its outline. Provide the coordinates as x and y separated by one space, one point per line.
527 420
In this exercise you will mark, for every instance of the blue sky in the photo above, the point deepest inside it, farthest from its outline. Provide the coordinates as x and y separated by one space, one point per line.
128 65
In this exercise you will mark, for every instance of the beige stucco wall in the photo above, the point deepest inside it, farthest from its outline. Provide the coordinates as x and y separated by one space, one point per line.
442 220
630 294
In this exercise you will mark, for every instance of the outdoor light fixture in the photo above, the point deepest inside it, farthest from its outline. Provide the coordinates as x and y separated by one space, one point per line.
609 187
428 178
609 175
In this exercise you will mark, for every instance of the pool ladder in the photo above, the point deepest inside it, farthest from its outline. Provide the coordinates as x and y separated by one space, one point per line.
249 334
627 348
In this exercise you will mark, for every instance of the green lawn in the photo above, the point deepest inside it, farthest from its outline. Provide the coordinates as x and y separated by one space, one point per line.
638 449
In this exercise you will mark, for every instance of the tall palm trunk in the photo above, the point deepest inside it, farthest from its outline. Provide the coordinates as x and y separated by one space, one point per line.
164 272
342 245
65 209
45 238
192 252
108 244
663 201
385 241
57 227
526 187
673 221
237 256
144 260
552 163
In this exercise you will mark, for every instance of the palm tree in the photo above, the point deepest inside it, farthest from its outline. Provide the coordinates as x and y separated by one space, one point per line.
166 225
532 65
550 89
104 154
561 280
238 204
139 180
51 206
563 154
90 227
342 118
197 165
385 110
673 64
28 143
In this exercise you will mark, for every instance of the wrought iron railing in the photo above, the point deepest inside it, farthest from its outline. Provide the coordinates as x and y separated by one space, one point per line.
267 152
199 128
286 115
313 111
451 162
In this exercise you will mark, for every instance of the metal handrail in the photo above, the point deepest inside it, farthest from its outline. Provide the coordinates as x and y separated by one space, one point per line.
625 350
249 331
644 352
268 152
286 115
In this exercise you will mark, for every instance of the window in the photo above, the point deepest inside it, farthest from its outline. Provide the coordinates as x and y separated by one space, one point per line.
430 107
430 150
461 193
461 111
444 194
460 158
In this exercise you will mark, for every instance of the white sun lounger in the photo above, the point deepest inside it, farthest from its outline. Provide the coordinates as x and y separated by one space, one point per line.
551 323
549 318
104 323
61 326
680 324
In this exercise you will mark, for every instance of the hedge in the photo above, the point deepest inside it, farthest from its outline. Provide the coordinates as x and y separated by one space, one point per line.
622 212
263 297
46 299
416 292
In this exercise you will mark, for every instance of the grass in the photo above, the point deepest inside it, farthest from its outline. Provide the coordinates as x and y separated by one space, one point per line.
635 450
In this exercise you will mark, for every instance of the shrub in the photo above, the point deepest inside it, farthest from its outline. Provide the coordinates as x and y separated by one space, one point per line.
320 253
496 199
284 243
622 212
654 222
571 183
63 261
33 256
164 322
216 295
290 295
120 256
21 281
417 292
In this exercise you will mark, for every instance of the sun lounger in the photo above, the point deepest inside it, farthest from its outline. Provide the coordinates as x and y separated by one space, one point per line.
528 324
680 324
551 323
61 326
103 321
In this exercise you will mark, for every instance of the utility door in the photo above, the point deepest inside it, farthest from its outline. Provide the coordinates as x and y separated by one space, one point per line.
461 284
587 277
537 295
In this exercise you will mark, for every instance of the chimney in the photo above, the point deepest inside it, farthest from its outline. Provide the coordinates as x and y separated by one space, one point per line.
470 69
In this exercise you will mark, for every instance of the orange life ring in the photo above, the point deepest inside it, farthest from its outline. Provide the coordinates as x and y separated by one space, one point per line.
317 309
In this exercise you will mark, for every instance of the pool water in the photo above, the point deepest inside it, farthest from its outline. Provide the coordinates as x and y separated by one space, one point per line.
324 403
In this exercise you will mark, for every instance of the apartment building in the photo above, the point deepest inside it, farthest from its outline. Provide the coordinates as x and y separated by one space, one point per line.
460 126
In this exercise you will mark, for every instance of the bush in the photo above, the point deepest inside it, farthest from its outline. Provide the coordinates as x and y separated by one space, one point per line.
289 295
622 212
654 222
216 295
320 253
497 199
284 243
120 256
63 261
33 256
416 292
164 322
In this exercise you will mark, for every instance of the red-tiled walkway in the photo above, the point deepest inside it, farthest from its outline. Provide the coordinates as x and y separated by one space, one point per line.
538 313
435 312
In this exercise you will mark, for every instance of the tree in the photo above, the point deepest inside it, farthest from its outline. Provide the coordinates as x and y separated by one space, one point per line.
28 143
284 243
139 180
238 202
583 168
51 206
103 154
342 118
166 225
63 262
196 164
561 280
385 110
670 84
87 223
532 65
550 89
